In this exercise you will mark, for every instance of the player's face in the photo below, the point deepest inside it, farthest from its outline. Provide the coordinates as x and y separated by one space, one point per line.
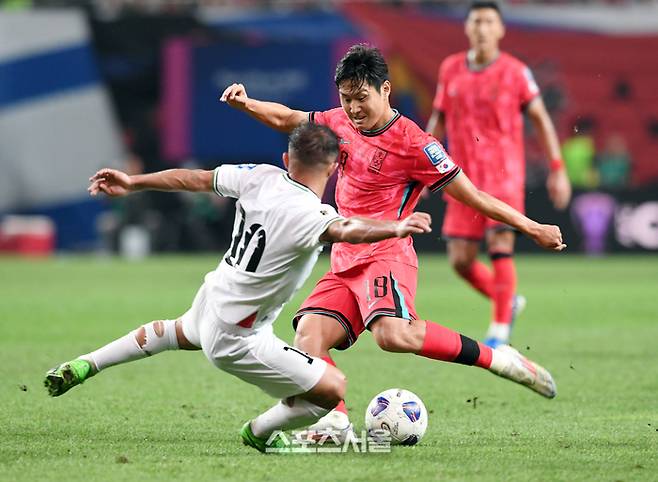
484 29
367 107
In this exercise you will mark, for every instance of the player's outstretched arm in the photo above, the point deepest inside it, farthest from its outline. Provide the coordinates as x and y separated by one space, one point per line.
357 230
117 183
557 183
545 235
276 116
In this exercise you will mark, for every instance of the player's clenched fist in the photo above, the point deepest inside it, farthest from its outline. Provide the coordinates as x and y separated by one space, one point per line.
111 182
235 95
417 223
549 237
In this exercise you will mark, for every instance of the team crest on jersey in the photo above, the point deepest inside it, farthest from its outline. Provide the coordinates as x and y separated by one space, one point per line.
377 160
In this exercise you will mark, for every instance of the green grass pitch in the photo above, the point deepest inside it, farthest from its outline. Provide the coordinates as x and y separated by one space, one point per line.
592 322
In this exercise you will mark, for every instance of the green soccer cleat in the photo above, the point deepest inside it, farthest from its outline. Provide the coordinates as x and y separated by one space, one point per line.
259 443
61 379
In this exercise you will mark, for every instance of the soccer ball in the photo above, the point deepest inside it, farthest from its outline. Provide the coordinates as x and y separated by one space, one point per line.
399 413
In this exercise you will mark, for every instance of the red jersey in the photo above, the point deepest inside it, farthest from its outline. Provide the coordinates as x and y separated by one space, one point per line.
381 176
484 121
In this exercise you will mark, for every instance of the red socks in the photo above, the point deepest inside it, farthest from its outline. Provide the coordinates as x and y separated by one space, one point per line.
341 406
480 277
504 286
442 343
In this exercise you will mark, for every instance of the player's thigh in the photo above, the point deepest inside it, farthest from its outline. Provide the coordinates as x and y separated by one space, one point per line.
384 288
188 326
328 318
276 367
462 222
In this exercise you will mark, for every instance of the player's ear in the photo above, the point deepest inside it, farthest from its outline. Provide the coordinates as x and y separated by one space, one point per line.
386 88
286 159
332 168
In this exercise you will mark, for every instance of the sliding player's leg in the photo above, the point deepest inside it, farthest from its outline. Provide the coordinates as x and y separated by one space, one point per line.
147 340
329 318
308 387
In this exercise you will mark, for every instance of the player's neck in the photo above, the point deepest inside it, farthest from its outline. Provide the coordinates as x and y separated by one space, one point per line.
479 59
384 120
309 181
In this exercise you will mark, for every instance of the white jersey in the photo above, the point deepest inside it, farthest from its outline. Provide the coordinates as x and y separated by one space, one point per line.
275 243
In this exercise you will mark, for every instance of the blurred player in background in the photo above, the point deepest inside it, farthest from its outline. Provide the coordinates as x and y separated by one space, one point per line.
279 228
480 99
385 162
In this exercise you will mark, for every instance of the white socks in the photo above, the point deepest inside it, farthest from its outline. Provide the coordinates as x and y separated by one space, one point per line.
283 416
159 336
499 331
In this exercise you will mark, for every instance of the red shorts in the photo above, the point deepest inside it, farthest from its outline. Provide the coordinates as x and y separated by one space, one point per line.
356 297
464 222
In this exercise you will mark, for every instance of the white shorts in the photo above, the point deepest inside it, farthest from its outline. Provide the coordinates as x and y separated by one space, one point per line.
258 357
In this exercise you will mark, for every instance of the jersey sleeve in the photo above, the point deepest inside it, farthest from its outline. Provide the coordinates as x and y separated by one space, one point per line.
440 98
229 179
433 166
320 118
528 88
313 222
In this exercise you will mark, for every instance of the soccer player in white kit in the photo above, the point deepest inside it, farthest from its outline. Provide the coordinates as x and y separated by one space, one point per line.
279 230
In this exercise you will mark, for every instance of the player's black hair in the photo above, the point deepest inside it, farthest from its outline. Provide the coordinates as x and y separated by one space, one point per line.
313 145
477 5
362 64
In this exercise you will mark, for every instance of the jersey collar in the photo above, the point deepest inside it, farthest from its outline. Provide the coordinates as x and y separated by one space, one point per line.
297 184
384 128
480 68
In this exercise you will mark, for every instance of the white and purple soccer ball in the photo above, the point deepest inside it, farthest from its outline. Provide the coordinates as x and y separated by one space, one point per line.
399 412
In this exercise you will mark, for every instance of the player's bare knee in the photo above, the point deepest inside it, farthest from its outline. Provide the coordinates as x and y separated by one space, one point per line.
460 263
140 336
386 334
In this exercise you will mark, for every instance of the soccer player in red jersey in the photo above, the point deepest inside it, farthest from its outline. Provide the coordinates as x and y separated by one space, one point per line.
480 99
385 162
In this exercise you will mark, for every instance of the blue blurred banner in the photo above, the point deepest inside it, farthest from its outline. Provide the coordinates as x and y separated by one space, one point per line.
294 74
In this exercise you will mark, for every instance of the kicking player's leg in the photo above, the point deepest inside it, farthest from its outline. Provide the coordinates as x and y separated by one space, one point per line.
500 244
437 342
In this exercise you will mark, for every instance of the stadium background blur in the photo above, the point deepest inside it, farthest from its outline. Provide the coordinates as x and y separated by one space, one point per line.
135 85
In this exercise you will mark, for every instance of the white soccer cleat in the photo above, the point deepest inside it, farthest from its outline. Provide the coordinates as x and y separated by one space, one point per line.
512 365
334 426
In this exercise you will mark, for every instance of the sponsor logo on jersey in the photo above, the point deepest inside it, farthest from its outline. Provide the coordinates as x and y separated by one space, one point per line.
245 166
343 142
377 160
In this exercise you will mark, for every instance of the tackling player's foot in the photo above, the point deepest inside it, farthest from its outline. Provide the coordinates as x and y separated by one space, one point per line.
62 378
334 426
500 333
512 365
259 443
